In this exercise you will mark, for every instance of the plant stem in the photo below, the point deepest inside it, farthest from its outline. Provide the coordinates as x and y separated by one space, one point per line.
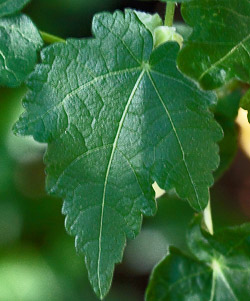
169 16
49 38
208 218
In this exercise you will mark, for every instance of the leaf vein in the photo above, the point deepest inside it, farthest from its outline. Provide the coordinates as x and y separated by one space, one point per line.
236 47
177 137
108 171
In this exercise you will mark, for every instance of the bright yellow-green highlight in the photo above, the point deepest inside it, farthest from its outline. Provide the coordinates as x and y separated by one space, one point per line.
163 34
244 138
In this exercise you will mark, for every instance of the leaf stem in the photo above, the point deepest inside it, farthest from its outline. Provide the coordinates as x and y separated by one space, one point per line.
207 214
50 39
169 16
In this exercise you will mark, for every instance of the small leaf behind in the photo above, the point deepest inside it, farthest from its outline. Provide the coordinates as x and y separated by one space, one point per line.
245 103
225 113
219 269
219 46
9 7
20 41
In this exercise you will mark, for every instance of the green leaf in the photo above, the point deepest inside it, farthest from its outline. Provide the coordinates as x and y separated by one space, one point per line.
245 103
9 7
118 116
219 47
225 113
19 43
219 269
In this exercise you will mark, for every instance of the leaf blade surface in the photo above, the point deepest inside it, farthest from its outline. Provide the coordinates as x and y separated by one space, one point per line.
218 270
218 49
20 41
108 123
8 7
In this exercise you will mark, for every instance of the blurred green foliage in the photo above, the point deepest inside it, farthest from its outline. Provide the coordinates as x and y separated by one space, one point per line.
37 258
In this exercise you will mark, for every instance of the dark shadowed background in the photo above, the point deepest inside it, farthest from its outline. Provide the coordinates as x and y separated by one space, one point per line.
37 258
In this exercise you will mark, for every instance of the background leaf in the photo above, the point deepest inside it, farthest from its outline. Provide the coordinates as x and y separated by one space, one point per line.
20 41
245 103
117 117
219 269
219 46
225 113
8 7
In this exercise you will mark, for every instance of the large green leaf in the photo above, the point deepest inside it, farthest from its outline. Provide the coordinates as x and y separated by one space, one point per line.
219 270
219 47
118 116
19 43
8 7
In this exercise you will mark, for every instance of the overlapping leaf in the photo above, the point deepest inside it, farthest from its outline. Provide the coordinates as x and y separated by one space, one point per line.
219 47
19 43
118 116
9 7
218 271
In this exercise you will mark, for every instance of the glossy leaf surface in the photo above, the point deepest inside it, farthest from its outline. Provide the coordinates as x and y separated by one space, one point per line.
19 43
117 116
219 269
219 47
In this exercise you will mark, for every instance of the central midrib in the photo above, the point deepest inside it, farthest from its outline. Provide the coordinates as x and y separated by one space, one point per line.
108 171
110 163
221 275
241 43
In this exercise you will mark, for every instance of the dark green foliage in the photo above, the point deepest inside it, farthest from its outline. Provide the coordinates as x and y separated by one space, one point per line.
218 269
19 43
219 46
245 103
9 7
225 113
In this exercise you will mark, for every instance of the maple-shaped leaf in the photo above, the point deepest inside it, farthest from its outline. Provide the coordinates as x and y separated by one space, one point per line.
117 116
219 46
8 7
20 41
218 269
